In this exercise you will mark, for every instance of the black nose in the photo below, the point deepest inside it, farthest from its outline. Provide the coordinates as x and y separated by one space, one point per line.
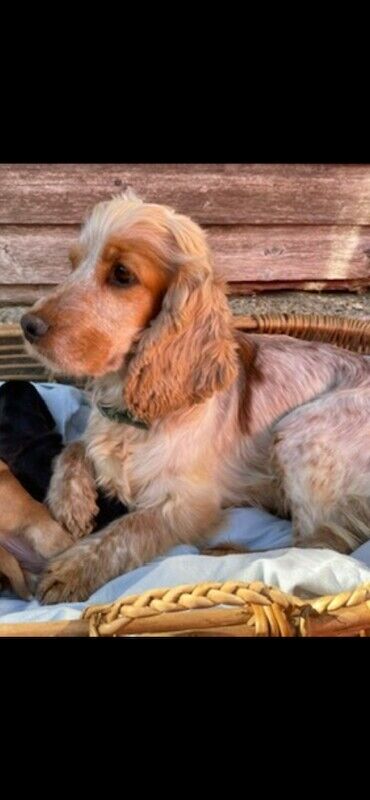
33 327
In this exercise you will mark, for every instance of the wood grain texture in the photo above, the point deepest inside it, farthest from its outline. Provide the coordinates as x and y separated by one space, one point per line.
252 287
333 194
295 252
15 294
32 255
23 295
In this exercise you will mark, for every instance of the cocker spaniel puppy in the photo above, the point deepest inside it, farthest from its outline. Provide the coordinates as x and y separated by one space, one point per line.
189 415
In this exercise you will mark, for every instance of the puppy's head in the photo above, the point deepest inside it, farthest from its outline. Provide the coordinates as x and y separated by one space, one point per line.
141 278
122 266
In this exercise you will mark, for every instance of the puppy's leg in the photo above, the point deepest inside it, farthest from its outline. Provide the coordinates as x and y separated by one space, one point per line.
44 534
125 544
321 461
72 492
26 528
10 568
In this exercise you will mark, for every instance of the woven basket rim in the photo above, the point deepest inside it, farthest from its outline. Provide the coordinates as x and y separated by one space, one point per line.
228 608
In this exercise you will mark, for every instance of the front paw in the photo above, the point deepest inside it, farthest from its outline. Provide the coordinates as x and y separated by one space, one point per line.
74 511
71 577
72 493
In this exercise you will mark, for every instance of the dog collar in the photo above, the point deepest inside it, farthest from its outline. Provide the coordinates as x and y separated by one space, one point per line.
121 415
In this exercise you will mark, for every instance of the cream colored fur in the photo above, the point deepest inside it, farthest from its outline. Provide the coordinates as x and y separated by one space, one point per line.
233 419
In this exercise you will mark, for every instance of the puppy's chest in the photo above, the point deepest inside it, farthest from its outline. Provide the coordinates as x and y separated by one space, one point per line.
133 465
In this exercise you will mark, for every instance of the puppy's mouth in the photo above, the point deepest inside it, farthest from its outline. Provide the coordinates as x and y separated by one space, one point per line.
34 351
90 353
63 363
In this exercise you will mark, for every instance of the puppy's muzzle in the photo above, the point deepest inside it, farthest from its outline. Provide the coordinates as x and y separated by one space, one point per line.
33 327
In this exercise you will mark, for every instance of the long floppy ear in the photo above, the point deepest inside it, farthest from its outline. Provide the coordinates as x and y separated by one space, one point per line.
189 351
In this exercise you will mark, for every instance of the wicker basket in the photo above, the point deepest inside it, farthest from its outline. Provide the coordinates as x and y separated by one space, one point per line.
213 609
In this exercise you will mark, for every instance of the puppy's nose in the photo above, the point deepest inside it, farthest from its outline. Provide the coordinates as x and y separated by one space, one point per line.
33 327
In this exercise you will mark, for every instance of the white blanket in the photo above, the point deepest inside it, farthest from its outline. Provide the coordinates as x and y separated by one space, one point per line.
300 571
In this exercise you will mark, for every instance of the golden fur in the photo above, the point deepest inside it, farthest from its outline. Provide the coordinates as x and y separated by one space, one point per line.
26 525
233 419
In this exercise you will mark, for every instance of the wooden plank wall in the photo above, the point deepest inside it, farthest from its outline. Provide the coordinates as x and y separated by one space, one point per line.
270 225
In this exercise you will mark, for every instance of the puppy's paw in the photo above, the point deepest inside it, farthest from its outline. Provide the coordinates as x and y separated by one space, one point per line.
72 493
75 512
71 577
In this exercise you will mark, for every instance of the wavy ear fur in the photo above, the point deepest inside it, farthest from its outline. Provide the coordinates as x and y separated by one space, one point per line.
189 351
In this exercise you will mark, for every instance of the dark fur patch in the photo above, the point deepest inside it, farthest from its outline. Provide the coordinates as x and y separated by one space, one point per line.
249 375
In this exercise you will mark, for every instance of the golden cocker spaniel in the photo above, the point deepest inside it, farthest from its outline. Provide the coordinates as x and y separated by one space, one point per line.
189 415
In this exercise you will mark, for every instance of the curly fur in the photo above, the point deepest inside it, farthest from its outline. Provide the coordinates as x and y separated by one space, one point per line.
233 419
72 491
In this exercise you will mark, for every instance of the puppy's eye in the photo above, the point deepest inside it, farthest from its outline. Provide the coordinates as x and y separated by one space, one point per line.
121 276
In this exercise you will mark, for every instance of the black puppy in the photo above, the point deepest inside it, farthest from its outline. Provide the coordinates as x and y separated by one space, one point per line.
29 442
28 438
